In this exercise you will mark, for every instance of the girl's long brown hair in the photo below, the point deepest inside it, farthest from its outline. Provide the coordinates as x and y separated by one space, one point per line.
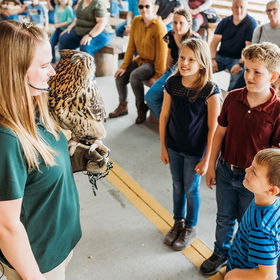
18 108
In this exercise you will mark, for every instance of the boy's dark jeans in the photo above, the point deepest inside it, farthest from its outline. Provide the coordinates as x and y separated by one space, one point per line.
232 201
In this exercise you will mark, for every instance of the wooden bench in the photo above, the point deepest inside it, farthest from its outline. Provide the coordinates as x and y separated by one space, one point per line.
106 59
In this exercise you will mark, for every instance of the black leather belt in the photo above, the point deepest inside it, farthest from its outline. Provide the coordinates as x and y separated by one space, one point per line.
232 167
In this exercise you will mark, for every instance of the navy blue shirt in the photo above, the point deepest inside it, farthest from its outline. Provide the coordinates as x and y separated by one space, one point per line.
166 7
187 127
235 36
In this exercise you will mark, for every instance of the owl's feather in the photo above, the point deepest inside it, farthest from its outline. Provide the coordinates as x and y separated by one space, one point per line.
74 99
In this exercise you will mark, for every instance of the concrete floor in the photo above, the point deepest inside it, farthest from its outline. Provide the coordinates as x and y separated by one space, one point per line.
118 241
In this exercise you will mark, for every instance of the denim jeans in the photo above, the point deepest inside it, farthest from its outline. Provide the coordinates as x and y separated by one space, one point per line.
51 16
72 41
154 96
232 201
120 29
227 63
135 75
186 197
53 41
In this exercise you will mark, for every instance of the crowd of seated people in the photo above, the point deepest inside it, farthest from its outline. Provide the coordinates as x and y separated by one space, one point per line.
154 58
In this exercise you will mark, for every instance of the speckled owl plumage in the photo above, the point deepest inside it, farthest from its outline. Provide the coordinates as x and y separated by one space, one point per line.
75 102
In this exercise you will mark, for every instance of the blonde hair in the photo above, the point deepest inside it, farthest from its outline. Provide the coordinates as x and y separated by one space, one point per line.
187 14
203 56
270 158
266 53
18 108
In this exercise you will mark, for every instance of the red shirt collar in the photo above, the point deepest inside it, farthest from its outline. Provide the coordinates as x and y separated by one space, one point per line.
265 107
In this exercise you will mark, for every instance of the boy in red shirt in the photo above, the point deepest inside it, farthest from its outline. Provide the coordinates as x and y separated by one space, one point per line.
249 122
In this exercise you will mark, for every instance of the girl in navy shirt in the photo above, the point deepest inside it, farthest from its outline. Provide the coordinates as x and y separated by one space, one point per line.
187 123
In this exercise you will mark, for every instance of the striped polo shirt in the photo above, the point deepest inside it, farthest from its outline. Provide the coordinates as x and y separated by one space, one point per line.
257 241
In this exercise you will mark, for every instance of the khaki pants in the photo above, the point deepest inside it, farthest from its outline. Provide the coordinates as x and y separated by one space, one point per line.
58 273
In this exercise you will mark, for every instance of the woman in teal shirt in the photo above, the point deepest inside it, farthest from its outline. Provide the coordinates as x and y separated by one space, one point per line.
39 221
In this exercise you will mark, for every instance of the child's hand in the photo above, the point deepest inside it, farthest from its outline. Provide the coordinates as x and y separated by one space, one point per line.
164 156
211 177
201 167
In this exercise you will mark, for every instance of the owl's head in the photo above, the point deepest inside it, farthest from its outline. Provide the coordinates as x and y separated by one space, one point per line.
76 64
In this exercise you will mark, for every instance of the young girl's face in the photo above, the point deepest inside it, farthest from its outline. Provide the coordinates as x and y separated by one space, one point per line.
180 25
276 86
187 63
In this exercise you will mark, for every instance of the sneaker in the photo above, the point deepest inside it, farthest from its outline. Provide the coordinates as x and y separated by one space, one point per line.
185 238
174 232
212 265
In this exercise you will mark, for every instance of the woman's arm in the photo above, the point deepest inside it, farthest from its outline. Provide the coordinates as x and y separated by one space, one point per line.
70 27
169 60
213 108
131 48
164 116
160 52
95 31
14 241
213 48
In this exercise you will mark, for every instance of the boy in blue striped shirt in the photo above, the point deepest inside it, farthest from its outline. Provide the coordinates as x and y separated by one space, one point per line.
256 246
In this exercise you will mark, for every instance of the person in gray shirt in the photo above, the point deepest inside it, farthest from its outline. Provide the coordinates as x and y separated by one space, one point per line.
269 32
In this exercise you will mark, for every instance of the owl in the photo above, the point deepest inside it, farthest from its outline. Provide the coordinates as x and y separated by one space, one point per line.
76 104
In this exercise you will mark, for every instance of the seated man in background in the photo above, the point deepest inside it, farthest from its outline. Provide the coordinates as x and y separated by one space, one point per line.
233 33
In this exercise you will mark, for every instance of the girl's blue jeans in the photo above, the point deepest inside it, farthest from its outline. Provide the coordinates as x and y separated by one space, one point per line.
186 196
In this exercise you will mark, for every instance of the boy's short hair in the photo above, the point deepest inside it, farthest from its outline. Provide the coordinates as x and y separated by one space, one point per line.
270 158
267 53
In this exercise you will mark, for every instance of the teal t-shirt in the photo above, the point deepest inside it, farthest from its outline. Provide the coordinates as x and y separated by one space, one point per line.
50 209
67 15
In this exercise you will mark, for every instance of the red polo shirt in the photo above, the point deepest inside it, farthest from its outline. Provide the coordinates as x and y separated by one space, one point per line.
248 129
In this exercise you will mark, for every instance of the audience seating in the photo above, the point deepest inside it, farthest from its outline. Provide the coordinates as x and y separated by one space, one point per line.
106 59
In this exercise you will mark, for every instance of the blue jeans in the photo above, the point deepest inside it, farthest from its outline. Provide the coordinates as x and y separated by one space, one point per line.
72 41
53 41
120 29
232 201
154 96
51 16
186 197
227 63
